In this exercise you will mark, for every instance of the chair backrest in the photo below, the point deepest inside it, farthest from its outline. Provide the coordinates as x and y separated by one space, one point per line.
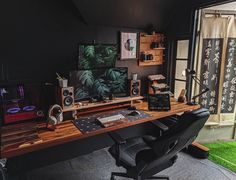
170 144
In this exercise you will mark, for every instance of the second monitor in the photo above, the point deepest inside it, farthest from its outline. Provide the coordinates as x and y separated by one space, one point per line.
99 82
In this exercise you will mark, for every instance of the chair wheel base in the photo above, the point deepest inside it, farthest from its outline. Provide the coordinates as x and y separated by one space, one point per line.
112 178
113 174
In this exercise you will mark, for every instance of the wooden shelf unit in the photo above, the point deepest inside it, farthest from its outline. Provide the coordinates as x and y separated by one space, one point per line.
145 46
87 107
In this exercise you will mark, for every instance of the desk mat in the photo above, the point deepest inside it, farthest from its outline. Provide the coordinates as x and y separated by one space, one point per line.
89 124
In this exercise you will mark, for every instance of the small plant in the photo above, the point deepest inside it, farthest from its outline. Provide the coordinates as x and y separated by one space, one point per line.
59 77
62 81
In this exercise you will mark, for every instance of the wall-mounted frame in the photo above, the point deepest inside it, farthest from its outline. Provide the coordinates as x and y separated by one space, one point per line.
128 45
96 56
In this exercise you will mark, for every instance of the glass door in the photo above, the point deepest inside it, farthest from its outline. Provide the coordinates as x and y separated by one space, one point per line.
181 63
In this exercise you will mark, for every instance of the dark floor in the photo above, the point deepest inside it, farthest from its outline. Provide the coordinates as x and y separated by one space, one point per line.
99 164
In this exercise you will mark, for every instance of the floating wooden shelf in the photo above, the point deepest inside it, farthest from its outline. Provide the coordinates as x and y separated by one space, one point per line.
148 35
145 46
160 48
149 63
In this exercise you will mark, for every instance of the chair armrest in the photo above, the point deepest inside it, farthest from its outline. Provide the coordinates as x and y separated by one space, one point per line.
162 126
173 119
117 138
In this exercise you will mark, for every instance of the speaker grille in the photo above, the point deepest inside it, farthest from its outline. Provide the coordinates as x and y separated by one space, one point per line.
68 101
66 92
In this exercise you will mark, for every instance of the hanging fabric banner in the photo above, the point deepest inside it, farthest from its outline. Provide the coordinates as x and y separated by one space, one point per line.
229 83
210 72
213 32
229 76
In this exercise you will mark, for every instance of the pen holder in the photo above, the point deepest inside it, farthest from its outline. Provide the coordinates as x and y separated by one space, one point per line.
63 82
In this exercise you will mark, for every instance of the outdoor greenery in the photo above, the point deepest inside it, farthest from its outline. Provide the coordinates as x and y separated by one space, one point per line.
223 153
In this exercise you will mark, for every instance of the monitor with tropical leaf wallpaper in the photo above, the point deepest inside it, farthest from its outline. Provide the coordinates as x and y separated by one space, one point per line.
94 56
99 82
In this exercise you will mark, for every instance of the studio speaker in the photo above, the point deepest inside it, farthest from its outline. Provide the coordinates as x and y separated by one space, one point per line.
65 97
135 88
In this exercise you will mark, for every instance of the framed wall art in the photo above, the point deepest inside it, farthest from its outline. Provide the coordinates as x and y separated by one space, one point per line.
128 45
95 56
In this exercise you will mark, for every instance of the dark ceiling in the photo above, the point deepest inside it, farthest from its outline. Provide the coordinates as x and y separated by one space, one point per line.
127 13
135 13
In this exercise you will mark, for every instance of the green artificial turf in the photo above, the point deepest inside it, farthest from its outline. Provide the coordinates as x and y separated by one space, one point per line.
223 153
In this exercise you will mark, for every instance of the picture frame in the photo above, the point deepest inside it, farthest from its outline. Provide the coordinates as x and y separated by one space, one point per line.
128 45
96 55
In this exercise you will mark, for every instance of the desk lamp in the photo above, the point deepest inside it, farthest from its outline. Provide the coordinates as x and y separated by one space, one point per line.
192 74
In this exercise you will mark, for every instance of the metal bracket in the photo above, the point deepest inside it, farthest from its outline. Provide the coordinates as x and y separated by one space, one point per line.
3 169
3 162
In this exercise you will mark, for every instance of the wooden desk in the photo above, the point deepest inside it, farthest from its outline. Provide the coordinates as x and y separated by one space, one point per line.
67 132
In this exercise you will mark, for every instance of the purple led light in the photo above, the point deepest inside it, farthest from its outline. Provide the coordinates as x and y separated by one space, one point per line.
29 108
13 110
21 91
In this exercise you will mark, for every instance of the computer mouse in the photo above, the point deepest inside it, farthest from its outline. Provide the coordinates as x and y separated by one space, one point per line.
134 113
132 108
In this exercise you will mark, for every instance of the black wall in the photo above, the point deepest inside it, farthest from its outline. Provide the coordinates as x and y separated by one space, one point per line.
40 37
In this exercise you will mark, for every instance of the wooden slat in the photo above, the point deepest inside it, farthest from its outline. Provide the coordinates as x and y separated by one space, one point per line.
99 104
150 62
200 146
67 132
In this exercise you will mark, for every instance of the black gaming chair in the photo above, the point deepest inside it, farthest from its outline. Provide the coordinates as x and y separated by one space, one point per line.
144 159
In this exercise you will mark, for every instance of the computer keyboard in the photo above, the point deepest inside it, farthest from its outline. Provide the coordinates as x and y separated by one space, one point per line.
112 118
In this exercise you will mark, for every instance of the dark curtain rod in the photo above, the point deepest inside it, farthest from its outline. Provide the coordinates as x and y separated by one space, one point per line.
219 12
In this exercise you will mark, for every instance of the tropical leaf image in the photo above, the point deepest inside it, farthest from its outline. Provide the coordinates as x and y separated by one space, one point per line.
89 51
87 79
81 93
110 54
117 78
97 56
112 74
84 63
100 87
99 59
99 82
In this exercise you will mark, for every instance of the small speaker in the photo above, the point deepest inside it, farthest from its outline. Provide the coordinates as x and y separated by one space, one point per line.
135 86
65 97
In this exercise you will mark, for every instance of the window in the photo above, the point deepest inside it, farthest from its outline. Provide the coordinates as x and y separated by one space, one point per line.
180 65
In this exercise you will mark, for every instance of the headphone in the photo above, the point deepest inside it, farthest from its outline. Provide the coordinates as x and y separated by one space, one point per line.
54 119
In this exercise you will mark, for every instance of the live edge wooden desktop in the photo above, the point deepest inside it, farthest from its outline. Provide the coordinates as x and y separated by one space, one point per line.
66 132
68 142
